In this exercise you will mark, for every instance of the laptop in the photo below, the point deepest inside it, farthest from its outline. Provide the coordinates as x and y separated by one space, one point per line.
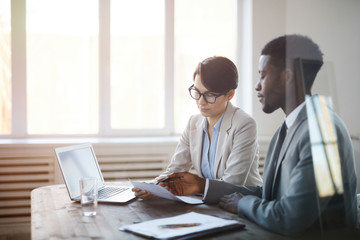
77 161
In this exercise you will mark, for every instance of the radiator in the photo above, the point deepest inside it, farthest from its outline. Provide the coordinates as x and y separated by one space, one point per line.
18 176
263 147
134 161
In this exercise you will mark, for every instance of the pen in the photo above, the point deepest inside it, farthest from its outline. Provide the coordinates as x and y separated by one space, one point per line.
162 180
180 225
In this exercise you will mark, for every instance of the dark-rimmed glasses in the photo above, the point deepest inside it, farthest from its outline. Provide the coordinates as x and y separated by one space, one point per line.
208 96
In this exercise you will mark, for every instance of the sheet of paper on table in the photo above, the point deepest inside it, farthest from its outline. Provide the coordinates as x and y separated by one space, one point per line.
194 225
162 192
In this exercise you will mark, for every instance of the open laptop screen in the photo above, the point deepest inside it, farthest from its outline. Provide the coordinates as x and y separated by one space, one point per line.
78 163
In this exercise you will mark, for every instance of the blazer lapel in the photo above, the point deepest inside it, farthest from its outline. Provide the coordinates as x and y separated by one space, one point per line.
225 127
197 144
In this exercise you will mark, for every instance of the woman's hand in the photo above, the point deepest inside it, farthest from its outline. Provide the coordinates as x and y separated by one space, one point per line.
142 193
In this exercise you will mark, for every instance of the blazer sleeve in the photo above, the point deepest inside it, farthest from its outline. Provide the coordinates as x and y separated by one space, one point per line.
181 160
241 153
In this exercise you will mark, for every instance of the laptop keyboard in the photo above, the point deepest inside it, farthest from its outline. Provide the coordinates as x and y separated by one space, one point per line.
110 191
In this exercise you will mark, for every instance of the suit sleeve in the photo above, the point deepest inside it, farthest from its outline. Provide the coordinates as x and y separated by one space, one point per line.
296 210
217 189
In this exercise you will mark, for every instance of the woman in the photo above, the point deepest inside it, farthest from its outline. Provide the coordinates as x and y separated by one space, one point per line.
221 141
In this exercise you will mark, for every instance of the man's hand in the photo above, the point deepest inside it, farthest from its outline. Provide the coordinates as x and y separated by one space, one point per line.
184 183
142 193
230 202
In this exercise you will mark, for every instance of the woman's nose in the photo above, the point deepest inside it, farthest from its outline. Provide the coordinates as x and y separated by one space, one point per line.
202 100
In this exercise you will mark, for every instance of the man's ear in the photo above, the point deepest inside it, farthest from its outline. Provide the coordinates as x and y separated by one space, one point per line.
289 74
230 94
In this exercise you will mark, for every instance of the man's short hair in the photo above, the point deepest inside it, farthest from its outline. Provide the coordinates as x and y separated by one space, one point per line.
284 50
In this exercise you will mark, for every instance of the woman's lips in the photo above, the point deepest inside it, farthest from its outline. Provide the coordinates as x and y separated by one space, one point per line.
204 109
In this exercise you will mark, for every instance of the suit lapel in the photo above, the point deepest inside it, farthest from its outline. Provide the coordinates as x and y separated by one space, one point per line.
269 173
287 141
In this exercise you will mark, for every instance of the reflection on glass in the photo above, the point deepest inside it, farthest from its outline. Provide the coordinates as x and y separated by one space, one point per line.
324 147
5 67
62 66
137 64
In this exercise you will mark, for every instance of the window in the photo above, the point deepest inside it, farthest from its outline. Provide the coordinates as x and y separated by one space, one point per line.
112 68
5 67
137 64
199 35
62 67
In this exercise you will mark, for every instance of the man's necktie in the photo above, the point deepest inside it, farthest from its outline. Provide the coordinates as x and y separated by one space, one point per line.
278 146
279 143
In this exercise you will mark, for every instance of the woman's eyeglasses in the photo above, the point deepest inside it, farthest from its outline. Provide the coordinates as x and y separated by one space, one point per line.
208 96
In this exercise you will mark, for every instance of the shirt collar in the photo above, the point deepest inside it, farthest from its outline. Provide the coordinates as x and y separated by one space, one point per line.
217 124
290 119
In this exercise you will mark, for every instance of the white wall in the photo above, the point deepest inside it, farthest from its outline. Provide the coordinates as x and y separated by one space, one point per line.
334 25
269 19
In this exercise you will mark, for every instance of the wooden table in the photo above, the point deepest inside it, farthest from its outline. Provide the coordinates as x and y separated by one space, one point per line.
55 216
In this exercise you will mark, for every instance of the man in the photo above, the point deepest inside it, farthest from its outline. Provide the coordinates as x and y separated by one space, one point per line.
288 202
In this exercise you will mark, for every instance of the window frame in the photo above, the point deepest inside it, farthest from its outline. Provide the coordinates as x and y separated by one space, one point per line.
19 88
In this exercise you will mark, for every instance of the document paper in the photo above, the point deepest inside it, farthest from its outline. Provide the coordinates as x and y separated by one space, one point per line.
204 224
162 192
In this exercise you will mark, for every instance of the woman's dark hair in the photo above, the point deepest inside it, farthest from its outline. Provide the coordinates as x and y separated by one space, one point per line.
218 74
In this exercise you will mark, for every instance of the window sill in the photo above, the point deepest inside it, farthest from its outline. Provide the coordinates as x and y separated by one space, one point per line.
93 140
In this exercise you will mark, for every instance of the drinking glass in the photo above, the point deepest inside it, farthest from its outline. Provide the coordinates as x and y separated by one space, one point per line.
89 194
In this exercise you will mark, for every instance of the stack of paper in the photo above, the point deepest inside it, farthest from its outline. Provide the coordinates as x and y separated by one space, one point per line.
187 225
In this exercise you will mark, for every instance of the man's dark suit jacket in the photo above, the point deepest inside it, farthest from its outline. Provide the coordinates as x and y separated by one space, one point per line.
289 204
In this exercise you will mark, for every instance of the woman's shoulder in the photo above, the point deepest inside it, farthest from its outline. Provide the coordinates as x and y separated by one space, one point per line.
196 119
240 115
